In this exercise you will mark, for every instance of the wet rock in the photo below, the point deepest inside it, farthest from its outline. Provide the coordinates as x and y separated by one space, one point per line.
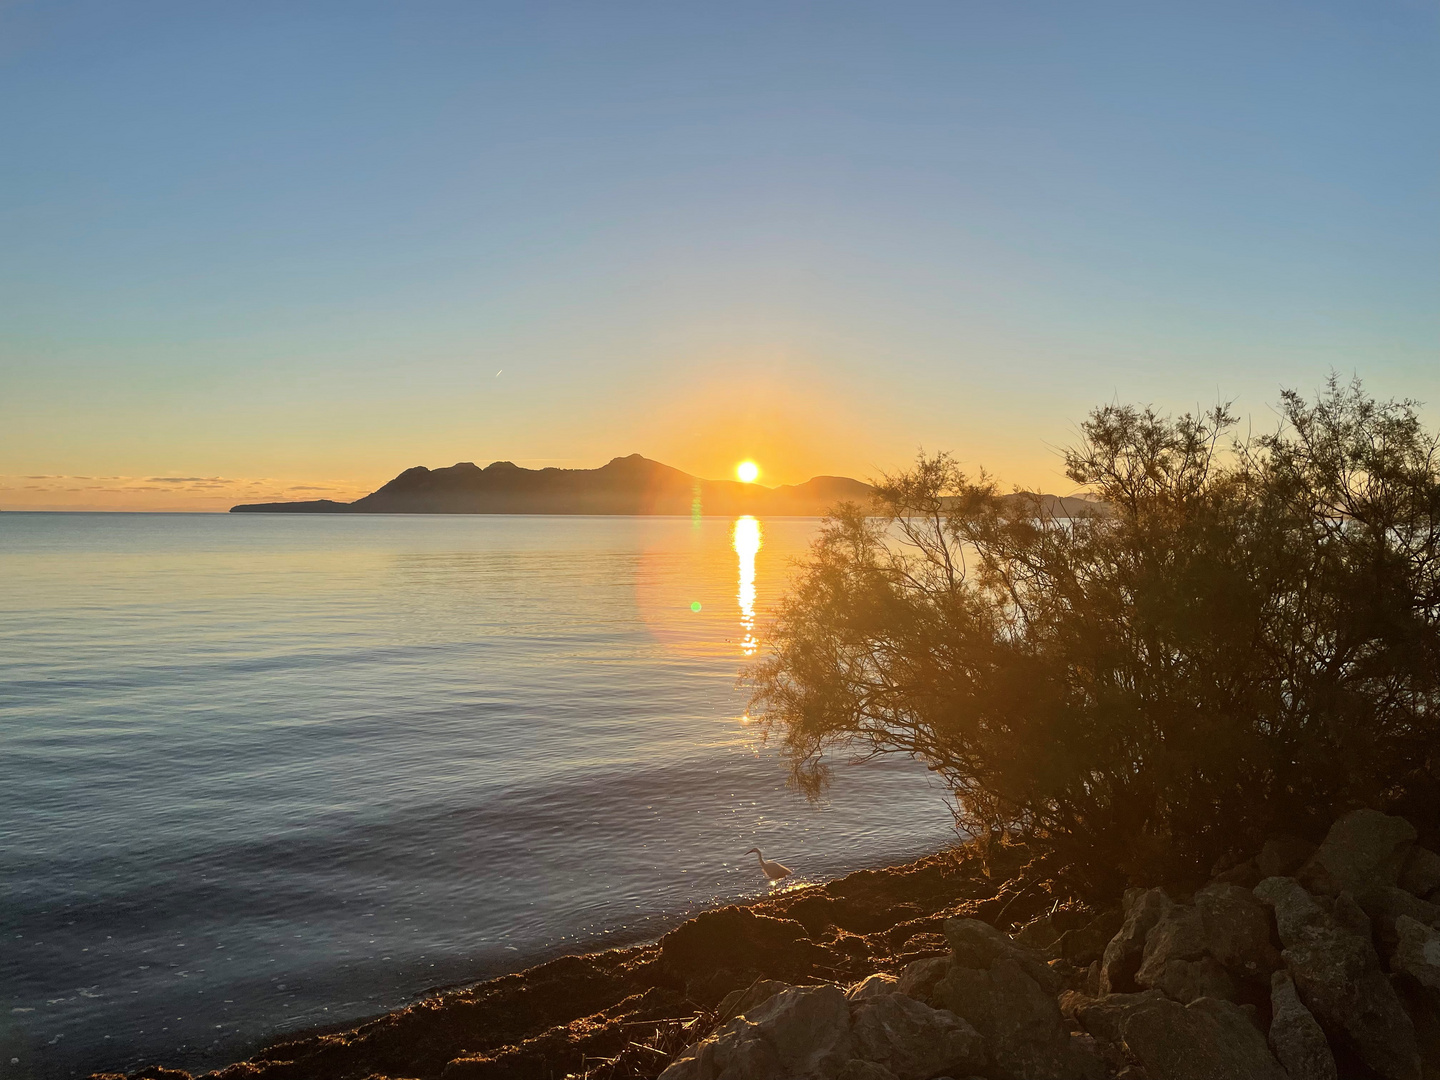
1295 1035
1025 1035
977 944
1364 850
1386 905
1421 875
1417 952
912 1040
918 979
1208 1039
873 986
1338 977
1282 855
1143 909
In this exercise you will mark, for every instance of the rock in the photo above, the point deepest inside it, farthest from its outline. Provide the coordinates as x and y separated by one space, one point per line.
1421 875
1338 977
1417 951
1283 855
918 979
800 1032
1237 929
872 986
1424 1008
1364 850
1295 1035
1084 945
1208 1039
1143 908
1025 1035
912 1040
1187 980
1246 875
856 1069
738 1002
1386 905
1199 950
977 944
1103 1016
1038 934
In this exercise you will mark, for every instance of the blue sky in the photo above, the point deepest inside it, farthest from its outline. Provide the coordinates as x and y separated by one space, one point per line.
286 247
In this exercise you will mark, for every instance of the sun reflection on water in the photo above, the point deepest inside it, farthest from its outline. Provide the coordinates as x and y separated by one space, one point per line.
746 539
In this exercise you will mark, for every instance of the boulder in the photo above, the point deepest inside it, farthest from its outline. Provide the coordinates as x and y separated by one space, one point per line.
1364 850
1143 908
872 986
1084 945
1387 904
1204 949
1237 929
918 979
912 1040
1295 1037
1026 1038
1421 875
1208 1039
1103 1016
1338 977
1187 980
815 1033
803 1032
739 1002
977 944
1282 855
1417 951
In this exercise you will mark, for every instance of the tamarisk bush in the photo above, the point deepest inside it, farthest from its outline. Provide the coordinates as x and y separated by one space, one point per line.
1243 637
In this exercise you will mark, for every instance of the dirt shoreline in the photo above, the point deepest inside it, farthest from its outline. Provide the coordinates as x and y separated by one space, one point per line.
621 1012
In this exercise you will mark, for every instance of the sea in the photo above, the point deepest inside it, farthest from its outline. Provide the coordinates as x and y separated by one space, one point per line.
265 773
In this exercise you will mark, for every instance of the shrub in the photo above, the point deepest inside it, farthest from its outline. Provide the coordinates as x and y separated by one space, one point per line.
1244 640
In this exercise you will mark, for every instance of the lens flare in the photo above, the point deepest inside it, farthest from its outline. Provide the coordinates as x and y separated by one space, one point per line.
748 472
747 541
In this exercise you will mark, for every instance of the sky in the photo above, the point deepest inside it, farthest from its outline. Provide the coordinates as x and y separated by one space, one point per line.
285 250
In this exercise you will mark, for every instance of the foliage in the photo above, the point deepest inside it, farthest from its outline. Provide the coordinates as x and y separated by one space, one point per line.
1245 640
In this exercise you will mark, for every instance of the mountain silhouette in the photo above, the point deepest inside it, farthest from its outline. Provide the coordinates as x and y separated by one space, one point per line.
625 486
632 485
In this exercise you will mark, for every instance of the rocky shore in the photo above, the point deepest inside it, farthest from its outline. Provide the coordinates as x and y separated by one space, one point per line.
1312 962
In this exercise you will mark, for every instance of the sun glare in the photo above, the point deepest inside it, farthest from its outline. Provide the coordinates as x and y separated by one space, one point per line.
748 472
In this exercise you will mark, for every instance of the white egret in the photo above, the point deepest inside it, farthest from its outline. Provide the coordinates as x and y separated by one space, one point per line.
773 870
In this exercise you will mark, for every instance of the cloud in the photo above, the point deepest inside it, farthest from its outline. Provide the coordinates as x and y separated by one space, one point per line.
56 491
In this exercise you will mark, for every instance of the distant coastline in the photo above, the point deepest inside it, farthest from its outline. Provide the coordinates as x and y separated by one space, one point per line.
626 486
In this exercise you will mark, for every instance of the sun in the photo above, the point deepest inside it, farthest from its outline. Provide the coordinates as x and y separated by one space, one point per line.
748 472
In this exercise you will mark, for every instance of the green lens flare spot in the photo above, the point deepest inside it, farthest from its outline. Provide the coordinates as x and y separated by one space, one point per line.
695 605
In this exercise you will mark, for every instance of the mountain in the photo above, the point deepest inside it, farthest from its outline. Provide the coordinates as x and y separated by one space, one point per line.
626 486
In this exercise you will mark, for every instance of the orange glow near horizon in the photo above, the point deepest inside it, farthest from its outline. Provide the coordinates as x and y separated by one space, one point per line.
748 472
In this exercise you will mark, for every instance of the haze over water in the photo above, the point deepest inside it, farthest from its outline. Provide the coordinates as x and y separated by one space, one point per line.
260 773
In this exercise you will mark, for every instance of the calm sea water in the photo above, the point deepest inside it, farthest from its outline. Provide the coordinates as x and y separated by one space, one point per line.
261 773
